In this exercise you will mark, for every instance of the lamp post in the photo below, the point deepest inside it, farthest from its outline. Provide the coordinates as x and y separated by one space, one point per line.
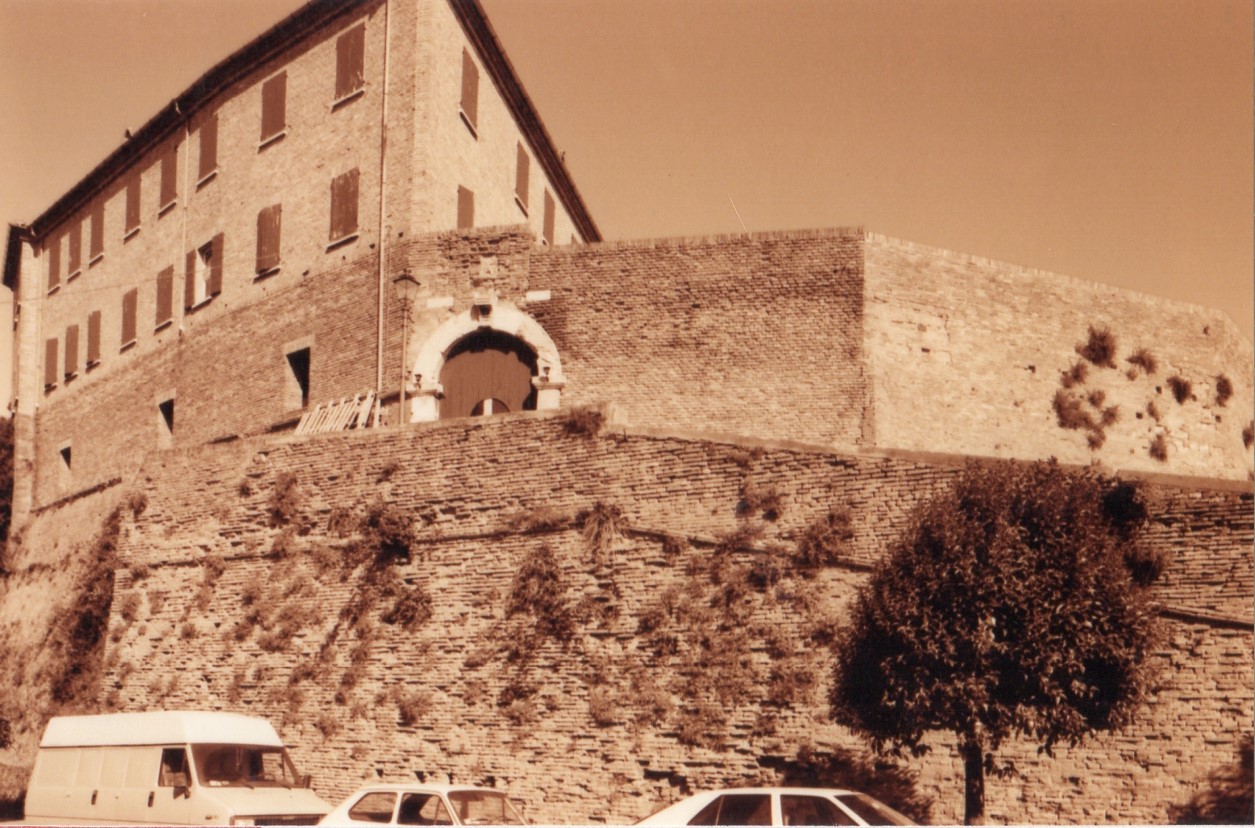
406 287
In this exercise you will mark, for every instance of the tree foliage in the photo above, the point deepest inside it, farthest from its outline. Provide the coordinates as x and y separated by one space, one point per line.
1009 607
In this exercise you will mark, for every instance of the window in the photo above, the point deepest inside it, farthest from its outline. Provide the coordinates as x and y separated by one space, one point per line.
71 352
129 304
165 298
547 231
736 809
204 273
75 266
165 439
350 63
344 206
208 150
54 264
521 169
811 810
470 93
374 807
423 809
132 206
296 389
269 221
66 456
93 339
173 760
466 209
274 95
50 364
96 250
169 179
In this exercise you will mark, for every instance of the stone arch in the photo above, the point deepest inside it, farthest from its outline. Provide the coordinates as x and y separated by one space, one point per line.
502 318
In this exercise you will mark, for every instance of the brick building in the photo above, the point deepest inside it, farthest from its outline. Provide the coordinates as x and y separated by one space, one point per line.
231 267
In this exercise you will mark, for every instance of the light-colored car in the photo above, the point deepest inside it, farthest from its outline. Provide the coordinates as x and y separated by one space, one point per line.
421 804
777 806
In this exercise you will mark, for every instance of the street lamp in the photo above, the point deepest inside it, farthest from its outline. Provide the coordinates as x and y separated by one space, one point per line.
407 288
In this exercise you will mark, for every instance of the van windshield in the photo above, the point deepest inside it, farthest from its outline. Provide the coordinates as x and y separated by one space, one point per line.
244 766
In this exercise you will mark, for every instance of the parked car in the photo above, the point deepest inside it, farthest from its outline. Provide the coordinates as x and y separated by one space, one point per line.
421 804
777 806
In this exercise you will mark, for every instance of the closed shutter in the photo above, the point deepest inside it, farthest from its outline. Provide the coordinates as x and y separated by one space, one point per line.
268 223
165 296
93 338
274 106
54 263
344 205
208 146
76 247
521 171
129 303
169 177
350 53
50 362
97 243
547 232
71 351
470 90
189 282
466 209
214 282
132 203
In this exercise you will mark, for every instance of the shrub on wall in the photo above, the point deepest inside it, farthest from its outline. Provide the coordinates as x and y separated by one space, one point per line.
1224 390
602 525
825 540
1099 348
539 592
284 503
1144 359
1181 388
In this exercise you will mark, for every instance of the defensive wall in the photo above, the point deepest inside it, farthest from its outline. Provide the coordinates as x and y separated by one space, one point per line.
681 645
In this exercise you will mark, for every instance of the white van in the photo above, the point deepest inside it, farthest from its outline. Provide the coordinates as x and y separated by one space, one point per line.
170 767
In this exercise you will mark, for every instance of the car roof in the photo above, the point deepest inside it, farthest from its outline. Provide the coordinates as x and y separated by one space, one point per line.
429 787
779 790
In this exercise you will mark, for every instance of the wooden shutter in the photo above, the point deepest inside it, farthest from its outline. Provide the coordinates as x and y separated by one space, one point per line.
165 296
50 362
132 203
350 54
268 224
129 303
274 94
71 351
97 243
344 205
54 263
470 90
466 209
214 283
547 231
189 281
208 146
76 247
93 338
521 171
169 177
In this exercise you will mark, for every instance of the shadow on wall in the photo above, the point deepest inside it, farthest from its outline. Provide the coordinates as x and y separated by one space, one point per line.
1229 798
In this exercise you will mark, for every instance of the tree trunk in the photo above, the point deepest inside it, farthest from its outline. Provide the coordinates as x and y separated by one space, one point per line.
973 784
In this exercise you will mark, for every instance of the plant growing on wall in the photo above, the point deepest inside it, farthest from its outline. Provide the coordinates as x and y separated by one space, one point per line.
1143 359
825 541
1006 608
1099 348
1224 390
1181 388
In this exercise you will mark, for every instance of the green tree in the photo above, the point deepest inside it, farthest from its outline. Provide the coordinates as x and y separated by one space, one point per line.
1014 604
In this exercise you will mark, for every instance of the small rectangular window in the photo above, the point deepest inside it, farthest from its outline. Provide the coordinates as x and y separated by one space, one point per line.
93 339
521 172
71 352
208 149
269 222
547 226
274 94
470 92
66 456
130 302
132 205
165 439
165 298
344 206
169 179
466 209
50 364
204 273
54 263
97 243
350 62
296 388
76 250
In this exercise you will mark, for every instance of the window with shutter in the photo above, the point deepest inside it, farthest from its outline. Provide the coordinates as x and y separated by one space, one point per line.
470 93
129 303
208 165
93 339
344 206
76 250
71 352
50 364
350 63
274 93
547 226
521 171
169 179
204 273
132 206
97 243
268 223
466 209
54 264
165 298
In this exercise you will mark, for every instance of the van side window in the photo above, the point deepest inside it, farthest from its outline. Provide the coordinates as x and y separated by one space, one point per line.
174 768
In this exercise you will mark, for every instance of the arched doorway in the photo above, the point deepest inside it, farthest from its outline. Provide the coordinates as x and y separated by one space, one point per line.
488 372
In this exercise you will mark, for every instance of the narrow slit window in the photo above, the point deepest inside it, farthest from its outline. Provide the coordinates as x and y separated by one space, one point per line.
71 352
165 298
76 250
203 279
165 423
547 225
466 209
269 222
208 149
470 92
169 179
130 302
522 169
350 62
93 339
274 96
67 457
132 205
296 390
96 247
344 206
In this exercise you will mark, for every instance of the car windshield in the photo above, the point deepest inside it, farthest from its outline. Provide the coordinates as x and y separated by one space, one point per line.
872 811
484 808
244 766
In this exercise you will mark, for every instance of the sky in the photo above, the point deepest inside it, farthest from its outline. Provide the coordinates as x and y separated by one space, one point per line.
1105 139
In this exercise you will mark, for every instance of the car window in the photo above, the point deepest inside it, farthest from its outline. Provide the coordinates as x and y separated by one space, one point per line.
484 808
423 809
812 810
871 811
374 807
173 773
736 809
